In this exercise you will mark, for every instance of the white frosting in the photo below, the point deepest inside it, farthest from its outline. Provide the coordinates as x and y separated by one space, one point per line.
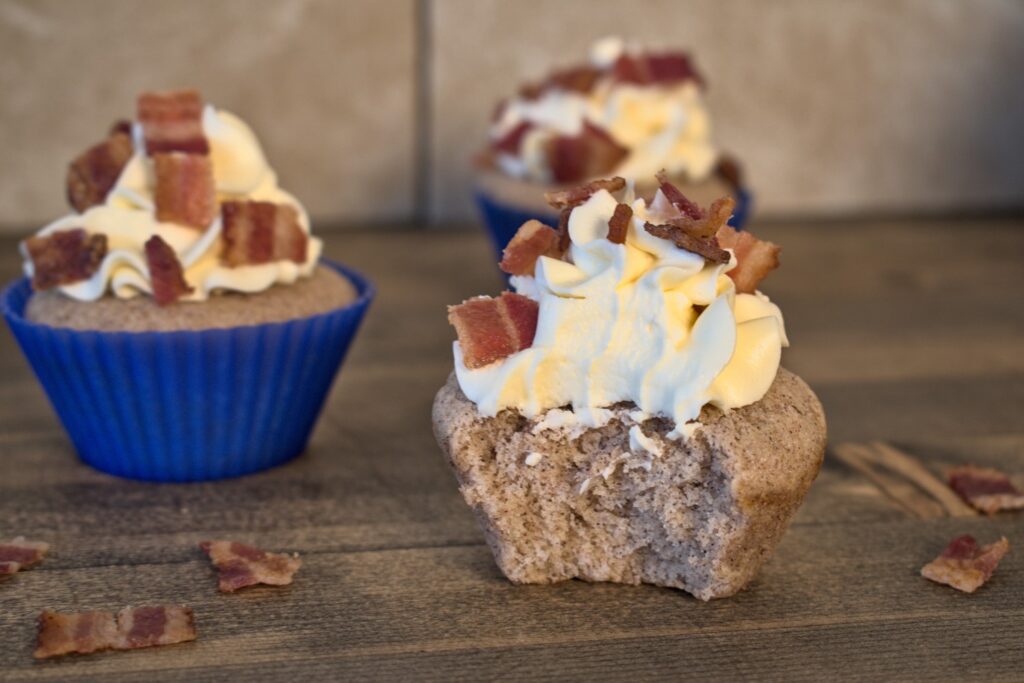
662 126
644 321
128 220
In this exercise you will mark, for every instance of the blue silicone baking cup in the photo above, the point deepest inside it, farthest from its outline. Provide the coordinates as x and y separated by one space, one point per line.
189 405
502 220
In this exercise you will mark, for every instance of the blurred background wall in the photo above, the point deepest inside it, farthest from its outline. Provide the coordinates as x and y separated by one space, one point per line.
370 109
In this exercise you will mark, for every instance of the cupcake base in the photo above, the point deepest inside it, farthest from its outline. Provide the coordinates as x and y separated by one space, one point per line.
559 503
189 405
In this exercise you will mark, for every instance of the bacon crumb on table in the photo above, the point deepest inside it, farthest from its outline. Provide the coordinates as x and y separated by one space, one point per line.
172 121
165 272
94 173
531 241
573 197
21 554
985 489
65 257
261 232
239 565
185 190
964 565
492 329
132 628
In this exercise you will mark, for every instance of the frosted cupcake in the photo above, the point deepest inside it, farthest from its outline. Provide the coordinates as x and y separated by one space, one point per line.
626 113
622 415
181 319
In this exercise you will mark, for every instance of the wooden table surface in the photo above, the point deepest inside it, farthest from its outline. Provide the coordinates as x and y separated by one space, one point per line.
911 333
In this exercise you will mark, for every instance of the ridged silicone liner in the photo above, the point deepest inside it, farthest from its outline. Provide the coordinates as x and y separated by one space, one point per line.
502 220
189 405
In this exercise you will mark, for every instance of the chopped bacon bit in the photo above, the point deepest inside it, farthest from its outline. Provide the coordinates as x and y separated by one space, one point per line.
593 152
677 199
123 126
703 246
564 239
21 554
754 258
165 272
985 489
172 122
261 232
133 628
240 565
65 257
651 68
965 566
185 190
510 142
580 79
492 329
618 224
94 173
531 241
573 197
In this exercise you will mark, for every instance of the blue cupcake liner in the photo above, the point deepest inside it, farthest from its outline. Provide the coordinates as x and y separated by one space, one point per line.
189 405
502 220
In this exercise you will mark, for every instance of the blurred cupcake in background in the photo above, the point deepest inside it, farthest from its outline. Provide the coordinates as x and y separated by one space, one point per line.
628 112
180 318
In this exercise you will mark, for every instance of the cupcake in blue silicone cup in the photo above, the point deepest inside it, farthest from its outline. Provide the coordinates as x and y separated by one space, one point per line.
181 319
627 112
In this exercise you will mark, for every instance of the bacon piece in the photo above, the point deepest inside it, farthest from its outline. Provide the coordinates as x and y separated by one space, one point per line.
94 173
165 272
510 142
185 190
652 68
985 489
133 628
492 329
64 257
965 566
172 121
21 554
123 126
754 258
573 197
240 565
703 246
677 199
573 158
261 232
618 224
531 241
579 79
564 239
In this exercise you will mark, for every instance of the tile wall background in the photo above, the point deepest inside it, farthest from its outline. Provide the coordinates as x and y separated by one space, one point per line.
370 109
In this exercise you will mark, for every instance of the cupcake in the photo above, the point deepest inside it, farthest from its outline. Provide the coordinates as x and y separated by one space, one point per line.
181 319
627 113
621 414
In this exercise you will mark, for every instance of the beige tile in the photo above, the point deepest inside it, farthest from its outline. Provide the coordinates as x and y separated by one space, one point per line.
835 107
328 87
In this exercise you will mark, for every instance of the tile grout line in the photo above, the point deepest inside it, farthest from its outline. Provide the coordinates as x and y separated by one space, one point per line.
423 98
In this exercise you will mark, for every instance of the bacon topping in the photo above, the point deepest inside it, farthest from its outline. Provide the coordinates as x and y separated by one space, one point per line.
261 232
754 258
240 565
65 257
492 329
531 241
172 121
985 489
510 142
165 272
573 197
677 198
133 628
185 190
94 173
965 566
21 554
703 246
652 68
618 224
580 79
593 152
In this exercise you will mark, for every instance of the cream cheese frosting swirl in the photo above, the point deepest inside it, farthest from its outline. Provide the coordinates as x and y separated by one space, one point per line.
128 219
663 126
644 321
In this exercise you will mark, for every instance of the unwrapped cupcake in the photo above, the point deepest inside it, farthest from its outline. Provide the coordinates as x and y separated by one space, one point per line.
628 113
181 319
621 414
